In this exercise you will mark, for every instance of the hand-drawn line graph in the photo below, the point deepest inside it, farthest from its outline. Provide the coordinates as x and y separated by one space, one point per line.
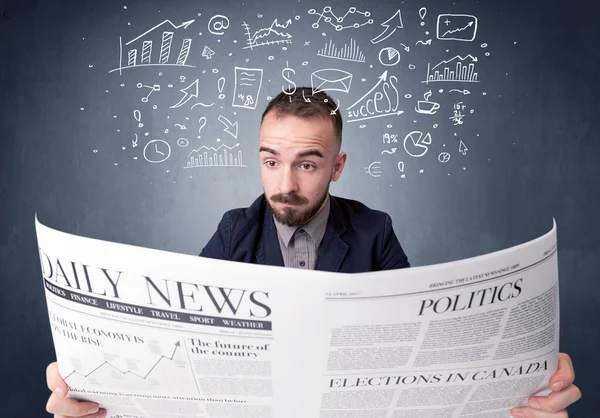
140 52
349 52
262 37
214 157
447 71
339 19
451 27
246 88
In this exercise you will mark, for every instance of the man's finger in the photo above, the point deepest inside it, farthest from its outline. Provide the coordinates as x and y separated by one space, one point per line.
55 383
70 407
526 412
556 401
564 375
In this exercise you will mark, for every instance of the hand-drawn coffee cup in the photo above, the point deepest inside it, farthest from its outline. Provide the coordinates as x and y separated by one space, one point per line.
424 106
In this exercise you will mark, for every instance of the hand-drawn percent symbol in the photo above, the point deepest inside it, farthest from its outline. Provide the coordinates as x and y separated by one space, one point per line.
217 24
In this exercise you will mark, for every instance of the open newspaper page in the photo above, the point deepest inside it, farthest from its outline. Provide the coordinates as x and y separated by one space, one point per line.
148 333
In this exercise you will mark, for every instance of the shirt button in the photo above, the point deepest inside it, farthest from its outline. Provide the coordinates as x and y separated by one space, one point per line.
301 263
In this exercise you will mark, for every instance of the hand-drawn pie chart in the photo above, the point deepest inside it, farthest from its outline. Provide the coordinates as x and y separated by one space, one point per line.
389 56
415 143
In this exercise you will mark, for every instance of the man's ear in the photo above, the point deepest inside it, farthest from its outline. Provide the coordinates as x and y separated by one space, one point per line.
338 166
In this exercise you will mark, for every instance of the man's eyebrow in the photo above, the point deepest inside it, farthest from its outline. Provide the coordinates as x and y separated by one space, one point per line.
267 149
315 152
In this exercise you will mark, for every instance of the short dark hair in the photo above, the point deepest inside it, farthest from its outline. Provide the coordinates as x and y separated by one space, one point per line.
303 103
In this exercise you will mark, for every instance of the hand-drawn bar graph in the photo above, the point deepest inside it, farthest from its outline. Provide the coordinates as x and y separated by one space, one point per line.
454 70
221 156
142 51
348 52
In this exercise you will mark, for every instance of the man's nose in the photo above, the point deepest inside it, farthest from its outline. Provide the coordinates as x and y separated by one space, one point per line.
288 182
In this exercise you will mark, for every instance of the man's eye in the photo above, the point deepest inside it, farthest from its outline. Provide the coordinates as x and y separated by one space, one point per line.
307 166
270 163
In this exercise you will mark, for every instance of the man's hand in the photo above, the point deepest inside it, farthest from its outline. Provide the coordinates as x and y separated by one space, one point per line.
63 407
564 393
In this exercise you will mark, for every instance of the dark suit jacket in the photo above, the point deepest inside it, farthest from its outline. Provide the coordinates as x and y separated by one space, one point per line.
357 239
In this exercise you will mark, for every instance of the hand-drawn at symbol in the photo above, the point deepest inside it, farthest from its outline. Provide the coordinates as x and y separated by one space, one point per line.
182 79
401 168
207 52
367 107
385 151
389 56
447 71
390 25
129 58
457 115
134 143
201 124
444 157
181 127
427 107
157 151
451 27
390 138
153 88
422 13
263 36
339 19
465 92
220 86
349 52
415 144
427 42
208 157
188 92
330 79
462 148
202 104
182 142
374 169
228 126
291 88
137 115
247 85
217 24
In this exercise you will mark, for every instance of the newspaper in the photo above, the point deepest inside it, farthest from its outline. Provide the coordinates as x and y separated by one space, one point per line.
149 333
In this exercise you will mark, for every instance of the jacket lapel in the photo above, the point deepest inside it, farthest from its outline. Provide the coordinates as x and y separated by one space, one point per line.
268 250
333 249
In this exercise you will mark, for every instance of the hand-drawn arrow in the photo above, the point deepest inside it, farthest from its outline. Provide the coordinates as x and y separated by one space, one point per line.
229 125
305 99
387 25
382 77
462 148
406 48
189 92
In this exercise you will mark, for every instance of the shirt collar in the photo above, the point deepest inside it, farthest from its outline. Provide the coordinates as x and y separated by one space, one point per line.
315 227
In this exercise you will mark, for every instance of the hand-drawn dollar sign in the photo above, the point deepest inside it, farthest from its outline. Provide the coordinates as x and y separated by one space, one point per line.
285 73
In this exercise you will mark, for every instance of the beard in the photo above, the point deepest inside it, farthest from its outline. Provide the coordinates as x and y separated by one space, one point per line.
293 216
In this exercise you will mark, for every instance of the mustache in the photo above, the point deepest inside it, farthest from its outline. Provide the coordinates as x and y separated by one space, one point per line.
292 199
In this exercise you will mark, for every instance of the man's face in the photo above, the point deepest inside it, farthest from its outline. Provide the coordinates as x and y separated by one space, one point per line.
299 158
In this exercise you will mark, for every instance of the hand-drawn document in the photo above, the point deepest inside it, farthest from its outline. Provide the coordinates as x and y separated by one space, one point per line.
148 333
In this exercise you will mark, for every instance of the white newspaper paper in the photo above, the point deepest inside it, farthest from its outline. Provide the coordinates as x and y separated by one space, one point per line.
149 333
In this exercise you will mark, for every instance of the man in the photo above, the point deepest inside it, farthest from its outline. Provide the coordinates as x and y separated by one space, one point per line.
296 223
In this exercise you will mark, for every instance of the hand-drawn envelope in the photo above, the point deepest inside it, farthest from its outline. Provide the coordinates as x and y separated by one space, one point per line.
330 79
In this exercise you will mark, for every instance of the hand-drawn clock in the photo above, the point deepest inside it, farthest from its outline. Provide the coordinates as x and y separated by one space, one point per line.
157 151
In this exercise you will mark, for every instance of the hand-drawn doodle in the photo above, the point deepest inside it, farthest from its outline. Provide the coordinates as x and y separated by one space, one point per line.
142 47
208 157
183 142
465 92
285 73
444 157
401 168
188 92
334 111
181 127
367 107
462 148
349 52
390 25
427 42
137 115
153 88
218 24
391 151
374 169
451 27
427 107
229 126
389 56
207 52
422 13
157 151
339 19
330 79
457 113
220 86
264 36
182 78
201 124
247 85
406 47
416 145
447 71
134 142
202 104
